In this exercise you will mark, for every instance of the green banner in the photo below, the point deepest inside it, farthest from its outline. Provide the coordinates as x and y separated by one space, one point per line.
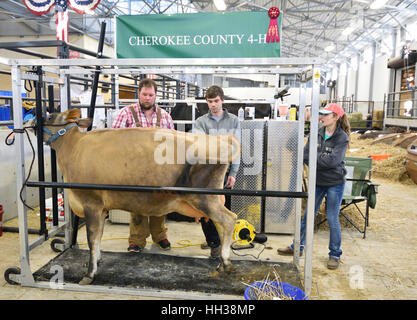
196 35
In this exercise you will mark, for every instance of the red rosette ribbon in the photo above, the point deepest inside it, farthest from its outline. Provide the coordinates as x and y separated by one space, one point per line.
273 32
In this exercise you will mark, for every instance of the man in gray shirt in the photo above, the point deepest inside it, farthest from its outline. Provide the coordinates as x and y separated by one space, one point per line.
218 121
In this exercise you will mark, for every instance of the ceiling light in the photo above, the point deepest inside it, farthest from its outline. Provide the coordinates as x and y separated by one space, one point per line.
220 5
378 4
329 48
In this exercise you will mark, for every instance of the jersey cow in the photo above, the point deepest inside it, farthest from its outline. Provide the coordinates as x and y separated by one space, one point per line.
141 157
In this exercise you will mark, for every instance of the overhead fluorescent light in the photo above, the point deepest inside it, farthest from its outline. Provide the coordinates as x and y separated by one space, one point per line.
329 48
220 5
377 4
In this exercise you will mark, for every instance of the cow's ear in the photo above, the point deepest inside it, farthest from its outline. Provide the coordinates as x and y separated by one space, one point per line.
85 123
73 115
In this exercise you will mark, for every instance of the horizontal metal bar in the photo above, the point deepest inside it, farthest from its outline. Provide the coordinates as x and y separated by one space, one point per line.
397 92
16 229
26 99
218 71
401 117
158 293
51 233
31 44
84 51
194 101
83 186
180 71
34 77
172 62
36 242
31 53
109 106
183 121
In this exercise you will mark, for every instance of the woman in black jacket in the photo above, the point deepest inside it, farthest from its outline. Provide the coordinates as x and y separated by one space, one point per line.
333 140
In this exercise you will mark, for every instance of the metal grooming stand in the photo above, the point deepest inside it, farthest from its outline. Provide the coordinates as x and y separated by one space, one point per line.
218 66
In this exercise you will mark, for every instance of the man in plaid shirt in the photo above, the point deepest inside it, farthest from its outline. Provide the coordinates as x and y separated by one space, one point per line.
145 114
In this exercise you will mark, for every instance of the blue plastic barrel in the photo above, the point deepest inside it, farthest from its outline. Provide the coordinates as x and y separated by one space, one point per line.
275 287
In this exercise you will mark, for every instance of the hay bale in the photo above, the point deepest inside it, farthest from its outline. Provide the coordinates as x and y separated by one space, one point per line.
392 168
377 115
356 120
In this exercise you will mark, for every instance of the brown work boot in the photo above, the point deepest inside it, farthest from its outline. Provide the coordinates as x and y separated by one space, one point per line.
287 251
204 246
333 263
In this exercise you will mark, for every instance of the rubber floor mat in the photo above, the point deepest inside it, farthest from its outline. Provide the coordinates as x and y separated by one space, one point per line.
166 272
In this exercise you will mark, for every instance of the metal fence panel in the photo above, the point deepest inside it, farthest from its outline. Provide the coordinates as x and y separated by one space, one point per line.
281 175
249 176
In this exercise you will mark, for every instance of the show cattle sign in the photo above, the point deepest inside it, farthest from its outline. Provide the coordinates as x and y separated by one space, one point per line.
196 35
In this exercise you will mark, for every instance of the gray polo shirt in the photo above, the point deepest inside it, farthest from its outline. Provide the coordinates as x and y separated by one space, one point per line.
227 124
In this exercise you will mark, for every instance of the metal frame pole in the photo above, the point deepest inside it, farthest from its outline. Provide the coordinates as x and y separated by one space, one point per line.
276 104
54 169
69 229
298 206
96 75
312 181
25 277
40 114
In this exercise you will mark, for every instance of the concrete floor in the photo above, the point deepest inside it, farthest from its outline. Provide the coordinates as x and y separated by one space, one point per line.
382 266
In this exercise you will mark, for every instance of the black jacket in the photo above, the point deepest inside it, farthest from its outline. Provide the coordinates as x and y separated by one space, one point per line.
331 169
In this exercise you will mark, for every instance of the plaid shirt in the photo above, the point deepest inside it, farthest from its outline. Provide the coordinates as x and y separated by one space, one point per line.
124 118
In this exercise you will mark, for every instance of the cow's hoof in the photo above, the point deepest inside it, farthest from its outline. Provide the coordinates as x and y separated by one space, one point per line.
215 274
229 269
85 281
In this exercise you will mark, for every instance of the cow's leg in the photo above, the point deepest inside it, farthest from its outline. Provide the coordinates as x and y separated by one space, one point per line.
95 224
103 216
225 221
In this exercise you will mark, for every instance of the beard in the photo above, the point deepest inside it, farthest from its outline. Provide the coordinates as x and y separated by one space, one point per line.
146 107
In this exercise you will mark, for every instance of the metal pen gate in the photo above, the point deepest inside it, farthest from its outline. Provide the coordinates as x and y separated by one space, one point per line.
217 66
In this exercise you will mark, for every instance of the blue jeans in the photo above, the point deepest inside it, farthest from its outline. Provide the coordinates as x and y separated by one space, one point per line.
334 196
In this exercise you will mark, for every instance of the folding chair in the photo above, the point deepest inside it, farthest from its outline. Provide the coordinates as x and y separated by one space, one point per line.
359 189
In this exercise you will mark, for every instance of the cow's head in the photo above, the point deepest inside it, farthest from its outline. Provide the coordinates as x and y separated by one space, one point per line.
58 123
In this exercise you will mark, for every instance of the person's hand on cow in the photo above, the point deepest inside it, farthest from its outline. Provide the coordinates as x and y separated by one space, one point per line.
230 182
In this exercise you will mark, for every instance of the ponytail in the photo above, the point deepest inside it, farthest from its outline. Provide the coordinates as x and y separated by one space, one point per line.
345 125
